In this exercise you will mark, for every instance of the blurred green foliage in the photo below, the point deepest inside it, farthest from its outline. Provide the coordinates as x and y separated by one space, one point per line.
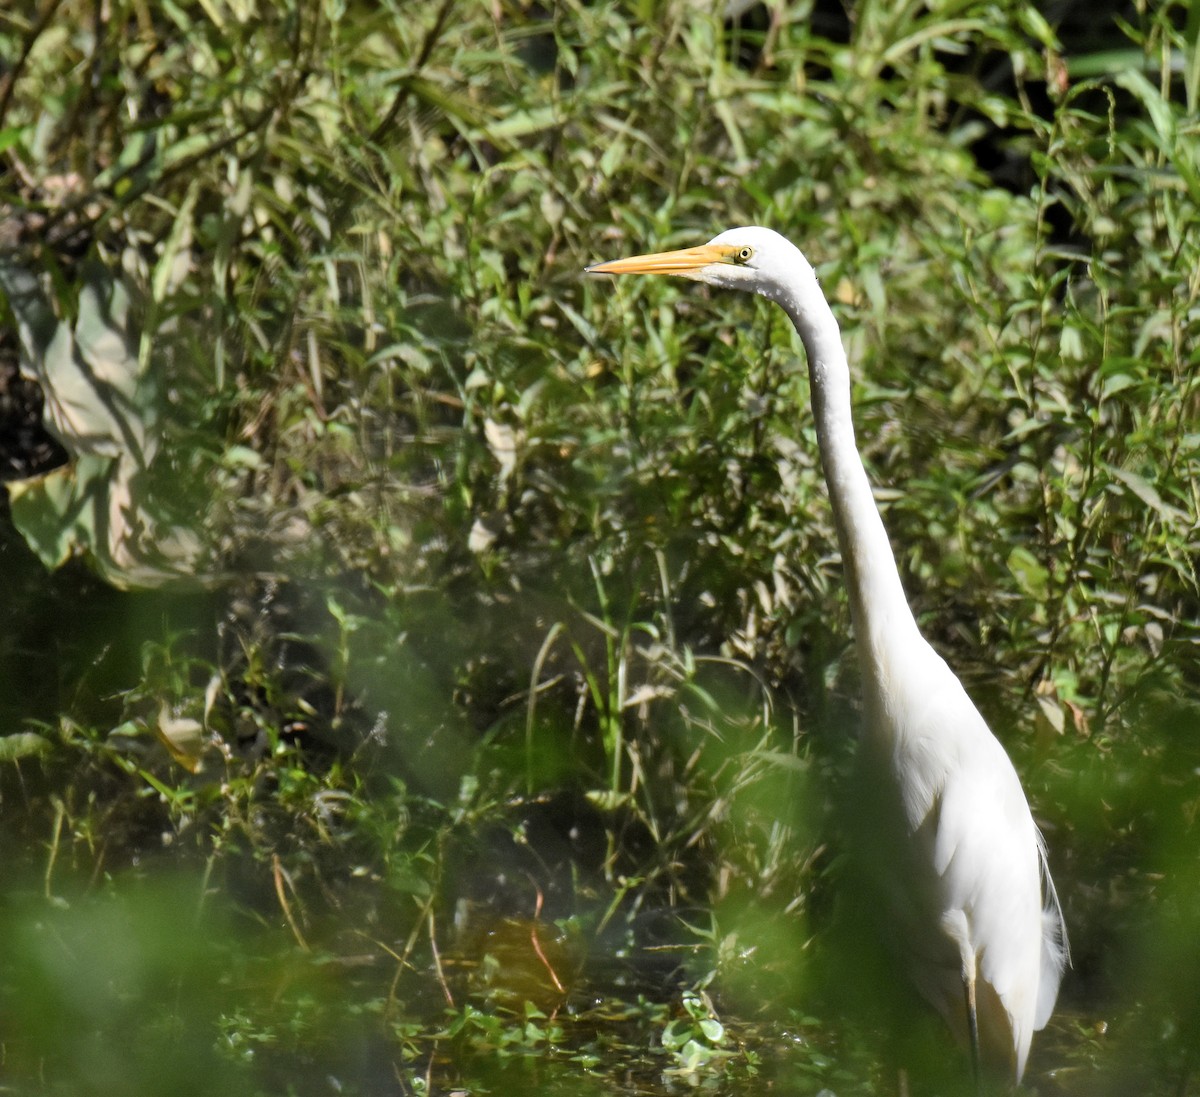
484 653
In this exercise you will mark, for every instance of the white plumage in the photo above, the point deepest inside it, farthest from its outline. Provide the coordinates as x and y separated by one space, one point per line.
957 854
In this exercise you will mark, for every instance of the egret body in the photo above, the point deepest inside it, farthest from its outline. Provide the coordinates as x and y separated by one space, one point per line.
970 901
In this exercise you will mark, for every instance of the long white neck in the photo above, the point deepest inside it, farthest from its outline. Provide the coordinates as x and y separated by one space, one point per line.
883 623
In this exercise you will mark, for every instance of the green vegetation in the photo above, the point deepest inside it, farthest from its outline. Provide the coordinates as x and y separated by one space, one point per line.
432 672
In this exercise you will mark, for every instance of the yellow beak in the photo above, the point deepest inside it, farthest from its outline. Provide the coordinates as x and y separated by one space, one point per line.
665 262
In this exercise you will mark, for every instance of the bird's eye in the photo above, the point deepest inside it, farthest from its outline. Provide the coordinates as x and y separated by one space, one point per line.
744 255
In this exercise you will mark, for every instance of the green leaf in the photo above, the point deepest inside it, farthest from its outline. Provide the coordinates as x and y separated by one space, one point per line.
1148 494
23 744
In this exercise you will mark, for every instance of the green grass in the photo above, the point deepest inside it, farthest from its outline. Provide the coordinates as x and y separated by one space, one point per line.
467 686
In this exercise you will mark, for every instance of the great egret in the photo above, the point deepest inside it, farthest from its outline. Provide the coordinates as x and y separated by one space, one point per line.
970 901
